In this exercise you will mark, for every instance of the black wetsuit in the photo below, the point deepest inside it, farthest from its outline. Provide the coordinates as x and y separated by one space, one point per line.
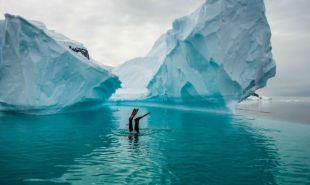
130 124
137 120
137 124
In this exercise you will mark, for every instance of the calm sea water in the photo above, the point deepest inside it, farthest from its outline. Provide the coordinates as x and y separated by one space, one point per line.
175 147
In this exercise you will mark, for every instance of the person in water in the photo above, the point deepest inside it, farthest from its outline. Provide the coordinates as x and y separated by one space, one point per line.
137 121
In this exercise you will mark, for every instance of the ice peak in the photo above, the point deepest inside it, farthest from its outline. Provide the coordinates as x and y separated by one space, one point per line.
220 53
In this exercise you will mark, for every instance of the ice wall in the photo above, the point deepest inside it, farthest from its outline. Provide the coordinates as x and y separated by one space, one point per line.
220 54
39 73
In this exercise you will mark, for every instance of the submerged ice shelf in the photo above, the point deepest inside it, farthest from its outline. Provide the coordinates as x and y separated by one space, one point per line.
41 70
220 54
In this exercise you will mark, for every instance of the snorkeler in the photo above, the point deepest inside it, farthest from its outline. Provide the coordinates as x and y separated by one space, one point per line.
137 120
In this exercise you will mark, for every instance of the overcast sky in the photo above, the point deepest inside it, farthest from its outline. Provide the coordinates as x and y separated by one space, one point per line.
115 31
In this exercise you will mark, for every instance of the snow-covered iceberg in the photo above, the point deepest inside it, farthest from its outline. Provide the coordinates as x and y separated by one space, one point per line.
43 71
220 54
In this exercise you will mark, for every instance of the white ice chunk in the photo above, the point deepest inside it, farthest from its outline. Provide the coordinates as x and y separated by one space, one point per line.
40 73
219 54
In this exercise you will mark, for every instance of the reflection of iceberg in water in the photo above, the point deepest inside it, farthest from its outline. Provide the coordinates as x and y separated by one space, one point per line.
175 143
292 144
31 147
226 150
122 160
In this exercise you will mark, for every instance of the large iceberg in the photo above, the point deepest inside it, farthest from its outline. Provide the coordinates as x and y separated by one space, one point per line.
43 71
218 55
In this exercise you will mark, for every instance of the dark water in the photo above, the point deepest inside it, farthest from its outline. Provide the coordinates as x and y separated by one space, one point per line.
175 147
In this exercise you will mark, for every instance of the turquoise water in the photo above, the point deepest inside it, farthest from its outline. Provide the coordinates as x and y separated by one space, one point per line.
175 147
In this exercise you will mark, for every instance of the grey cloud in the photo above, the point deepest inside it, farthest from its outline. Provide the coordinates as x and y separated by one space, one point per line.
289 21
113 30
117 30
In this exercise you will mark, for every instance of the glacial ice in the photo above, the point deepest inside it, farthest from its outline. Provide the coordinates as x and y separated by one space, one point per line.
220 54
39 72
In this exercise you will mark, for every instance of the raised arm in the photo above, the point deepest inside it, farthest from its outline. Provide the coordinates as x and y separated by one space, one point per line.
145 114
137 121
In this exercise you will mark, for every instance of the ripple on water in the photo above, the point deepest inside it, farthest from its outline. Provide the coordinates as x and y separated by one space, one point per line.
174 147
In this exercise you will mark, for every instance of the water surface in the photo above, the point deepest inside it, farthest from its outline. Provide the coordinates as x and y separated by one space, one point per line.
175 147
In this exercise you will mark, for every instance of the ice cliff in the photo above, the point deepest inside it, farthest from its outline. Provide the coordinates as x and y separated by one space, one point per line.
220 54
41 70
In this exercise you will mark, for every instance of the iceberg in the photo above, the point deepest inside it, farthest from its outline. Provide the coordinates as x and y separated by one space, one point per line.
218 55
42 71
